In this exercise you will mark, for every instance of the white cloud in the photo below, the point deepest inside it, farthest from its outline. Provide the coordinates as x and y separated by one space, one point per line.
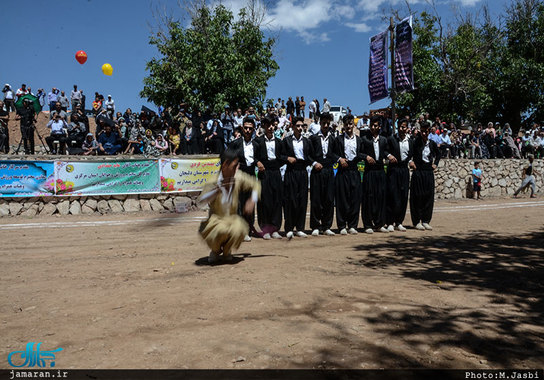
307 18
359 28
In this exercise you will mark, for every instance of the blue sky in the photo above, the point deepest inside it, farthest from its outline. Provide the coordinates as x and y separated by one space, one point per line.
322 48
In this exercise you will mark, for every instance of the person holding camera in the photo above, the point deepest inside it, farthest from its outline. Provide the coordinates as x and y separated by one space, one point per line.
27 116
4 131
9 98
58 126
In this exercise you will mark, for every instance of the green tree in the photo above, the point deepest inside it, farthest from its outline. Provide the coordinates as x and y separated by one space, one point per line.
215 61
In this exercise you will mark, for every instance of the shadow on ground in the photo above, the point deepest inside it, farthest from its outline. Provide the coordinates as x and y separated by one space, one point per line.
495 320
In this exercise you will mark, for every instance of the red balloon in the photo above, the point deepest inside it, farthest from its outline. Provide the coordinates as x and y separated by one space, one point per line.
81 57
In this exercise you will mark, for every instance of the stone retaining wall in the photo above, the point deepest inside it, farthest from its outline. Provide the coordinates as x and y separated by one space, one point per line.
500 177
453 181
98 204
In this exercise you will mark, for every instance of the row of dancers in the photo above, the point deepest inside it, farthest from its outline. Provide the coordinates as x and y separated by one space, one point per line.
380 197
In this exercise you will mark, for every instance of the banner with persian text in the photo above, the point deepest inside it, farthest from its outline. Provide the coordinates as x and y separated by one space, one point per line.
377 68
26 178
187 174
404 70
107 177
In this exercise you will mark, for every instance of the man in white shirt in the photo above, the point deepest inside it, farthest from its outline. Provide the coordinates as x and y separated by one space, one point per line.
347 147
75 97
322 179
315 127
9 98
312 109
57 125
298 150
326 106
110 107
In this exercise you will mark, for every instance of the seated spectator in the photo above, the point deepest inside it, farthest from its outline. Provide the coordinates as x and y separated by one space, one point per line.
161 144
58 110
175 140
135 146
510 149
122 129
90 145
539 145
150 145
527 146
58 127
97 105
109 141
76 134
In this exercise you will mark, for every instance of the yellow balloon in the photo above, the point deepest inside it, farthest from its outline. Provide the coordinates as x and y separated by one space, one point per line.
107 69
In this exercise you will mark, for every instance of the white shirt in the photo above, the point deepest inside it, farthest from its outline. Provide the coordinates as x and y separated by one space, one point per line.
270 147
324 143
362 124
376 143
298 147
404 148
350 147
110 104
426 152
9 94
326 106
248 152
312 107
314 128
57 126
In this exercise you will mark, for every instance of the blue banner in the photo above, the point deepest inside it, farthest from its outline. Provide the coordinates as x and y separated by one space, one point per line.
26 178
377 68
404 68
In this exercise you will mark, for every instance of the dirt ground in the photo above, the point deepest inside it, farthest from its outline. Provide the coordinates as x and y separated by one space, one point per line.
135 291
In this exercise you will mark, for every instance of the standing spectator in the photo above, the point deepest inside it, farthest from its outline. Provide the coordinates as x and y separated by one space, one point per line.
22 91
9 98
41 97
110 107
363 126
64 102
83 98
315 127
227 124
477 179
4 131
238 119
326 106
445 143
52 98
27 115
302 107
297 107
75 97
58 126
189 139
528 178
312 109
214 137
290 108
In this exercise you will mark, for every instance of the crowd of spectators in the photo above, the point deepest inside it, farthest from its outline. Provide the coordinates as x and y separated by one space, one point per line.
168 132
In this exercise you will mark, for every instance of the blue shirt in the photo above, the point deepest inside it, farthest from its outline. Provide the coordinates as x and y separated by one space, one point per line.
436 138
476 172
